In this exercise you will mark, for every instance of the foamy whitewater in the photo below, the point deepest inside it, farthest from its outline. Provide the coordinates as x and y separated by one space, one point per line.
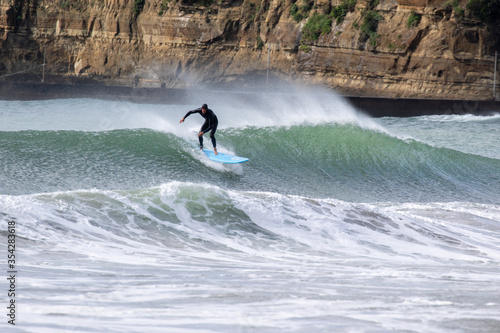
338 223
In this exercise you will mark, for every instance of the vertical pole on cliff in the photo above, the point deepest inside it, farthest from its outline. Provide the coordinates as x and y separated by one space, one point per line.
495 78
268 60
43 72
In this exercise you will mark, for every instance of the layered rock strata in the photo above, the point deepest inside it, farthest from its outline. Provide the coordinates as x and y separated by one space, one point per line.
226 43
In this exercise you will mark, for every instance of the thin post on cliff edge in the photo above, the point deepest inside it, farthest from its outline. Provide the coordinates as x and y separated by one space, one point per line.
43 66
495 78
268 60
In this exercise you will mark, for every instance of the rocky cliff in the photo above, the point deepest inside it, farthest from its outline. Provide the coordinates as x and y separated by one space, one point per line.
393 48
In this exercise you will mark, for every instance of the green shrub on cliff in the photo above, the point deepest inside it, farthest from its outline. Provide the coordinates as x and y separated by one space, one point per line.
455 6
164 6
459 13
369 27
67 4
413 20
485 10
372 4
300 12
448 5
371 21
138 6
339 12
260 43
317 25
294 12
305 48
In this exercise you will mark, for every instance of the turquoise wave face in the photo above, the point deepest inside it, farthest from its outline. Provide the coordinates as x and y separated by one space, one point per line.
343 162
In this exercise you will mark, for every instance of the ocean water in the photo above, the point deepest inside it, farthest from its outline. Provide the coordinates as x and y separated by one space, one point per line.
339 222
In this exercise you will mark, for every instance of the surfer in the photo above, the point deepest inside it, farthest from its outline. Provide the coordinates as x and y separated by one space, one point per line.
210 124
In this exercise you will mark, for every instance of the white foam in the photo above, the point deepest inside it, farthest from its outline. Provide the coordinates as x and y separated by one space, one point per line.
240 260
462 118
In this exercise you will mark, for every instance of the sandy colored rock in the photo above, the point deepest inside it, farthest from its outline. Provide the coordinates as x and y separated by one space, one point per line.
183 43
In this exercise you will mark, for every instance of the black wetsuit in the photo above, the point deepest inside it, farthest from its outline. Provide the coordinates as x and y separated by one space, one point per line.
210 124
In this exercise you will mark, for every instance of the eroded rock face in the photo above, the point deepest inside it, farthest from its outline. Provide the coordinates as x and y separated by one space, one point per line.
180 43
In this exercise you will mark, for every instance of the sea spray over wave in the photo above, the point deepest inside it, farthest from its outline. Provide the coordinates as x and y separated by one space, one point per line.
261 110
293 109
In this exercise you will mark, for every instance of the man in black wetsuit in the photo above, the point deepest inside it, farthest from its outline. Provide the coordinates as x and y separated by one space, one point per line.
210 124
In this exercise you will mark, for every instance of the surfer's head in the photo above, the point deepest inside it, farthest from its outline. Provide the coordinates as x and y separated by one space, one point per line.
204 108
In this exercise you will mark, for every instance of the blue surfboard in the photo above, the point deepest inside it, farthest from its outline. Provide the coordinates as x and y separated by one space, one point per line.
224 158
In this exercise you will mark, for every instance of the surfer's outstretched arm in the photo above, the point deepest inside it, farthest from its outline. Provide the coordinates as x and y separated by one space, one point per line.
189 113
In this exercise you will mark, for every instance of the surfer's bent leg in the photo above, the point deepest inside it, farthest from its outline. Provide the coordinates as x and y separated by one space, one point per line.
212 134
200 138
203 129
